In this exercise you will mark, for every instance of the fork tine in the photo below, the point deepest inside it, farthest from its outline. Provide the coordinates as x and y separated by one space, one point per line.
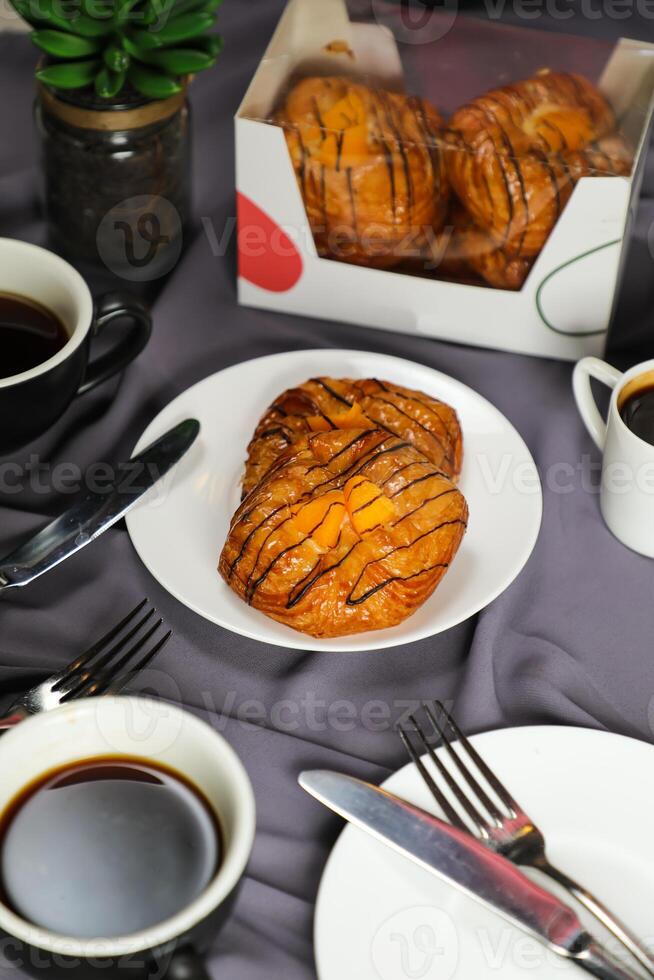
80 677
84 658
433 788
467 805
119 683
93 682
488 774
482 796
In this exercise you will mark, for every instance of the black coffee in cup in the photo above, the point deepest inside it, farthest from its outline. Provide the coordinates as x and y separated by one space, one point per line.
637 412
30 334
106 847
48 325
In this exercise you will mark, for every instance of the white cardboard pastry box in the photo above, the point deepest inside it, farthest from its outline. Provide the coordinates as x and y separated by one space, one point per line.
564 306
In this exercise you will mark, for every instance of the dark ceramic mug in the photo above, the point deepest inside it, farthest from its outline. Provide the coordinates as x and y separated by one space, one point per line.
155 731
32 401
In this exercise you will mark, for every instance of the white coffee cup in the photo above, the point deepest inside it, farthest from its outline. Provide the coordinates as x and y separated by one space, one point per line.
140 728
627 490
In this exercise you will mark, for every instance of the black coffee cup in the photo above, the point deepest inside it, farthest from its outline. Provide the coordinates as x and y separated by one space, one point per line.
32 401
158 732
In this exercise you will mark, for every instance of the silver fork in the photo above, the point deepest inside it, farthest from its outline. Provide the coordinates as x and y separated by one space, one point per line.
96 672
509 831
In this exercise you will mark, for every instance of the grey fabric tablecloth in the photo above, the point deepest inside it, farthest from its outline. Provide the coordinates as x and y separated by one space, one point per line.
568 642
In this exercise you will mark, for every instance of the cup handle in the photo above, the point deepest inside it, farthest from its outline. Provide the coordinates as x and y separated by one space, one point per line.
585 369
114 306
187 964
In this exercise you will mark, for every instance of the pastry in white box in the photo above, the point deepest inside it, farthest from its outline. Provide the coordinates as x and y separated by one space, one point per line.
529 253
370 166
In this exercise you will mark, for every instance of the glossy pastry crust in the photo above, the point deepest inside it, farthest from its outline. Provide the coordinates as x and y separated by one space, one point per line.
470 249
517 152
349 531
370 166
430 425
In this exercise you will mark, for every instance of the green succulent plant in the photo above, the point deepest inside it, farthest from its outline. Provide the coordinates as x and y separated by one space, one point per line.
148 45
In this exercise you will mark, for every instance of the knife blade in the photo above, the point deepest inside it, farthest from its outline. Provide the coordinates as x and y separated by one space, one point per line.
96 510
464 862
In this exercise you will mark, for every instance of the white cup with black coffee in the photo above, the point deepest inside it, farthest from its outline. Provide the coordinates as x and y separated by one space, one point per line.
626 439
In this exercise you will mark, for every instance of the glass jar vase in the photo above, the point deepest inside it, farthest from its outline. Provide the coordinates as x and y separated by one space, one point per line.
116 180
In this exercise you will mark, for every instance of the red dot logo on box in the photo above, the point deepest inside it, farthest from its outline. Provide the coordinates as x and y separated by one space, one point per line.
266 255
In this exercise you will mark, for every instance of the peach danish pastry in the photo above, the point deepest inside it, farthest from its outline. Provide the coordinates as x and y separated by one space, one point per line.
370 168
350 530
321 404
471 249
517 152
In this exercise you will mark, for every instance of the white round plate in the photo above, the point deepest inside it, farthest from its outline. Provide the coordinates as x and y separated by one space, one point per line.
380 917
179 529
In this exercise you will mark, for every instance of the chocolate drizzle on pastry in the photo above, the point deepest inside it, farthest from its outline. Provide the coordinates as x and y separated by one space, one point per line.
369 167
516 154
428 424
386 182
357 565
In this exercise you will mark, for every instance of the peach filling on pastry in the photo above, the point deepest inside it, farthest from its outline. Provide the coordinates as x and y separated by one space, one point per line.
562 127
344 134
361 501
354 418
366 504
322 518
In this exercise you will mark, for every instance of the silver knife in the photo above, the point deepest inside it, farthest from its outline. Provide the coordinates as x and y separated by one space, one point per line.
95 511
462 861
